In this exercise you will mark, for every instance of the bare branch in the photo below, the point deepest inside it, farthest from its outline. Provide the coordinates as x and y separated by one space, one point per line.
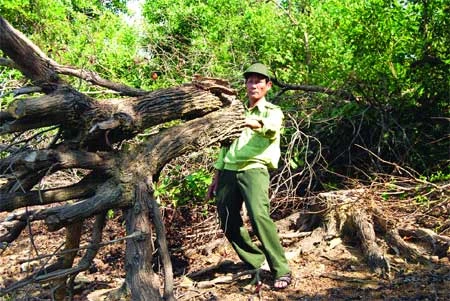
10 230
49 274
41 69
12 201
308 88
108 195
28 58
96 79
27 162
7 63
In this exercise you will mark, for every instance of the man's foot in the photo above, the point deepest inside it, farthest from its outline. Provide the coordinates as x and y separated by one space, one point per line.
282 282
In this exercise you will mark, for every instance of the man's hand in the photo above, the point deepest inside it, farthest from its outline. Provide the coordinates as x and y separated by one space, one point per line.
252 123
211 193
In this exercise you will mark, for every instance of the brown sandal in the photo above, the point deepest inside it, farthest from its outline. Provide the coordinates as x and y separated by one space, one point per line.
282 282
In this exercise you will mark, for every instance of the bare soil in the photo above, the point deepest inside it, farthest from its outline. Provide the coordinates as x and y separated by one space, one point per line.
204 265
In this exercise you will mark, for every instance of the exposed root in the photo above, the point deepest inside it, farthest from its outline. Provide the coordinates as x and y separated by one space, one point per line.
357 214
401 247
439 244
364 229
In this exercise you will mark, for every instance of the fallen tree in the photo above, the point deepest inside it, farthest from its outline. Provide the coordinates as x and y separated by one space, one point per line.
92 135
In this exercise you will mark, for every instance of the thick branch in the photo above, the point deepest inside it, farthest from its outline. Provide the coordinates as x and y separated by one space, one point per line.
72 241
38 67
83 189
5 116
108 196
33 161
7 63
28 58
10 230
63 106
117 119
139 250
221 126
163 248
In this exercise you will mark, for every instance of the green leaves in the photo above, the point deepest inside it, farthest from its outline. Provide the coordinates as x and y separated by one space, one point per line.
184 189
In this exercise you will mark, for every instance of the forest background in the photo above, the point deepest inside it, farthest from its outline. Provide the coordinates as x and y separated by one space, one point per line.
365 85
390 58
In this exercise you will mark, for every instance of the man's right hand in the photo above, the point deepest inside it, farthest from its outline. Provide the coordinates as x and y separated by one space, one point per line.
211 193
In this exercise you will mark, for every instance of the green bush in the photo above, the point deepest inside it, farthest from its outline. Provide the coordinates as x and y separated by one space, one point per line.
182 189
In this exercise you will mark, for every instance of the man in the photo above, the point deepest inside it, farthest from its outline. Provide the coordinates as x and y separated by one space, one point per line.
242 176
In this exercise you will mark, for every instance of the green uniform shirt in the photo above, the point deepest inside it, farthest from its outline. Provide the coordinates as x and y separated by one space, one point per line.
258 148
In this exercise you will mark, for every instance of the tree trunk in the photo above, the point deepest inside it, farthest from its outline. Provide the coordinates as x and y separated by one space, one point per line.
140 277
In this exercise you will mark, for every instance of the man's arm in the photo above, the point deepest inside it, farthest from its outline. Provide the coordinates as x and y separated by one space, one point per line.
268 127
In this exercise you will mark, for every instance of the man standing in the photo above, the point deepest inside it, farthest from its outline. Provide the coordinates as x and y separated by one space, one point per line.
242 176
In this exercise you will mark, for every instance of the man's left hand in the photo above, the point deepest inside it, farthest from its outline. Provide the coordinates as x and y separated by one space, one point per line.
252 123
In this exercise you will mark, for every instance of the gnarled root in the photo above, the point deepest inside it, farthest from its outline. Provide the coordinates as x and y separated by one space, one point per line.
362 224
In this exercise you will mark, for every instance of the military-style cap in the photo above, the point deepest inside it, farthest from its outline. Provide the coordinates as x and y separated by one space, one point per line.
257 68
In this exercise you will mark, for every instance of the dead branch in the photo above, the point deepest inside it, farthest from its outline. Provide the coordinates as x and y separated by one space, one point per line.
72 241
54 272
287 181
108 196
11 229
83 189
308 88
88 246
163 249
96 79
27 57
138 259
34 64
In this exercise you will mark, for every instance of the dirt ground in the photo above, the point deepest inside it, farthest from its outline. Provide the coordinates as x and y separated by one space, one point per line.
208 271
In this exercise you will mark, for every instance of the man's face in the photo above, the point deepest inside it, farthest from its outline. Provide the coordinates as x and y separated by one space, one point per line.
257 87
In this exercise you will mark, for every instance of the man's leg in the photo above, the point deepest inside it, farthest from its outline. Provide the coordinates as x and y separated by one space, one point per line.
229 203
254 185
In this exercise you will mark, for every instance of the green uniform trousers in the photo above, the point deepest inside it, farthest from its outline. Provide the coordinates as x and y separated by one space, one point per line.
250 186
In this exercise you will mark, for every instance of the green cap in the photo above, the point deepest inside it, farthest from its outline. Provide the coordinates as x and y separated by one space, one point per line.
257 68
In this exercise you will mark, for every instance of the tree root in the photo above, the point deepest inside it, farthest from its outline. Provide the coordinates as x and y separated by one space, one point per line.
346 214
364 229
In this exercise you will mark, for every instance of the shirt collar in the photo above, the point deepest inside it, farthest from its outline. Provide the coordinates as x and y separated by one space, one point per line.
261 104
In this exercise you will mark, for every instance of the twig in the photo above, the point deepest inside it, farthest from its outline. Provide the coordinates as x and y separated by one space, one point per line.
398 167
84 263
289 179
90 246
